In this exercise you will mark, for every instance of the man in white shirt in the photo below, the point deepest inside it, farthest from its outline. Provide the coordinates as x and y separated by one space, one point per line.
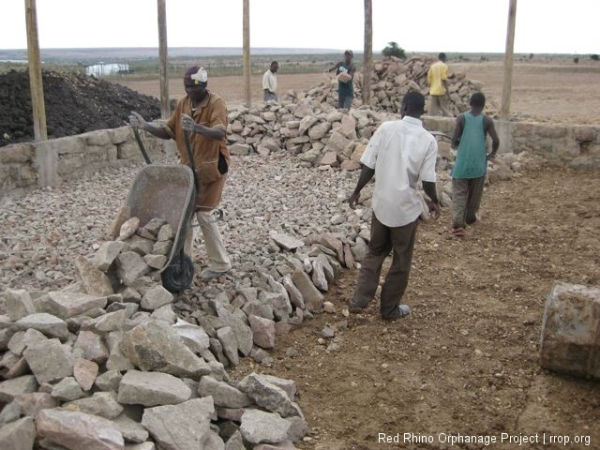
400 153
269 83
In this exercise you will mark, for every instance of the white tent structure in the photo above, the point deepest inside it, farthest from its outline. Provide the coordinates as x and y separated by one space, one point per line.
102 69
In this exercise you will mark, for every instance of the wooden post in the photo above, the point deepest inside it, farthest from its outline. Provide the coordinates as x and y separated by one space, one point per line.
368 54
36 86
508 61
165 109
247 68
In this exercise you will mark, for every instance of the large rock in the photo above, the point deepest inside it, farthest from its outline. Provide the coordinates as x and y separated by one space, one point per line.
92 346
183 427
228 345
223 393
295 295
259 426
268 395
155 298
85 373
337 142
18 304
313 299
49 360
192 335
152 389
279 302
570 331
18 435
131 430
77 431
102 404
263 331
10 389
107 254
131 266
45 323
65 304
31 404
155 346
67 389
285 241
243 333
319 131
95 282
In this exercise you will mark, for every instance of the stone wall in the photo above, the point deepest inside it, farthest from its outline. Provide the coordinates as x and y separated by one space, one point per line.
33 164
575 146
48 163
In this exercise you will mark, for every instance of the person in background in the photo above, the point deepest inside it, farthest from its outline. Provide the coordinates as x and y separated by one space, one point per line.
400 153
468 174
437 77
203 115
269 83
345 73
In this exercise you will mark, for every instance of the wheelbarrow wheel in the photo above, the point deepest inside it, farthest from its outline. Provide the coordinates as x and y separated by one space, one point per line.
179 275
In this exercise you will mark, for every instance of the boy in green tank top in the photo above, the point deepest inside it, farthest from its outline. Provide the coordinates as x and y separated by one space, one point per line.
345 86
468 174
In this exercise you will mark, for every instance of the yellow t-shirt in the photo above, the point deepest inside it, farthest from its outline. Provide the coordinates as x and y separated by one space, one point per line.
436 74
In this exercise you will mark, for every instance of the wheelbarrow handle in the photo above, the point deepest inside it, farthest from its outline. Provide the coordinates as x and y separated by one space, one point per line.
188 147
141 145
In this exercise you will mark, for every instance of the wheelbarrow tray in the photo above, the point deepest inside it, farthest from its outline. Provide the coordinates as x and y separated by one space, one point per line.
166 192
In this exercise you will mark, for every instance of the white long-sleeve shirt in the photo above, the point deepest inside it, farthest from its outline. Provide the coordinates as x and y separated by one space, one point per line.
401 152
269 81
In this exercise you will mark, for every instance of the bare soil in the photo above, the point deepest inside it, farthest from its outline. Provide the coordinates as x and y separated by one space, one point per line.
466 362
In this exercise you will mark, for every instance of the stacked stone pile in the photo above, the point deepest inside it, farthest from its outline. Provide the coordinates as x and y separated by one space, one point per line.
315 132
308 124
391 79
111 362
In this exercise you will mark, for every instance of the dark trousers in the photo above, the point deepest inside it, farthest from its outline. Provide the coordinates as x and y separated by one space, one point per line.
466 198
345 100
401 241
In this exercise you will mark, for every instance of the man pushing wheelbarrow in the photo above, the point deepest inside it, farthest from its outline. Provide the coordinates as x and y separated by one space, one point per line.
200 121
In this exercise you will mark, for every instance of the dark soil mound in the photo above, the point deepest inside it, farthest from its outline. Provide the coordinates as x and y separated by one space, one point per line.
75 103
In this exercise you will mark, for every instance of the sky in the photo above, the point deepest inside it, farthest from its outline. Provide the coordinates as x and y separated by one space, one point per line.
469 26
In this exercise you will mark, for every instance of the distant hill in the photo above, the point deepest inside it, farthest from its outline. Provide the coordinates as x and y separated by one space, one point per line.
114 54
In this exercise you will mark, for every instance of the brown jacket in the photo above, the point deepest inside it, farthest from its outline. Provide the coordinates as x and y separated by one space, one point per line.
212 112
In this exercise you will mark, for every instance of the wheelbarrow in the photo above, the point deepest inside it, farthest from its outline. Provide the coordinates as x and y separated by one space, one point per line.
167 192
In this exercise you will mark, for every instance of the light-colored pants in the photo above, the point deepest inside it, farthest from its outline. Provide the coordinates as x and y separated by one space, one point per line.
466 198
215 250
439 106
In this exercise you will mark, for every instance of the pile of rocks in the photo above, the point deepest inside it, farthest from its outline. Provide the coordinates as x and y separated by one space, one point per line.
110 362
391 79
317 133
308 124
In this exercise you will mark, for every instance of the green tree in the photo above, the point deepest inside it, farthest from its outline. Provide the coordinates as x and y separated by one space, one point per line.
393 49
595 57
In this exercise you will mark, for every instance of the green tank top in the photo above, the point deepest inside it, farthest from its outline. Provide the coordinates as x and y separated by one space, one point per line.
471 159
